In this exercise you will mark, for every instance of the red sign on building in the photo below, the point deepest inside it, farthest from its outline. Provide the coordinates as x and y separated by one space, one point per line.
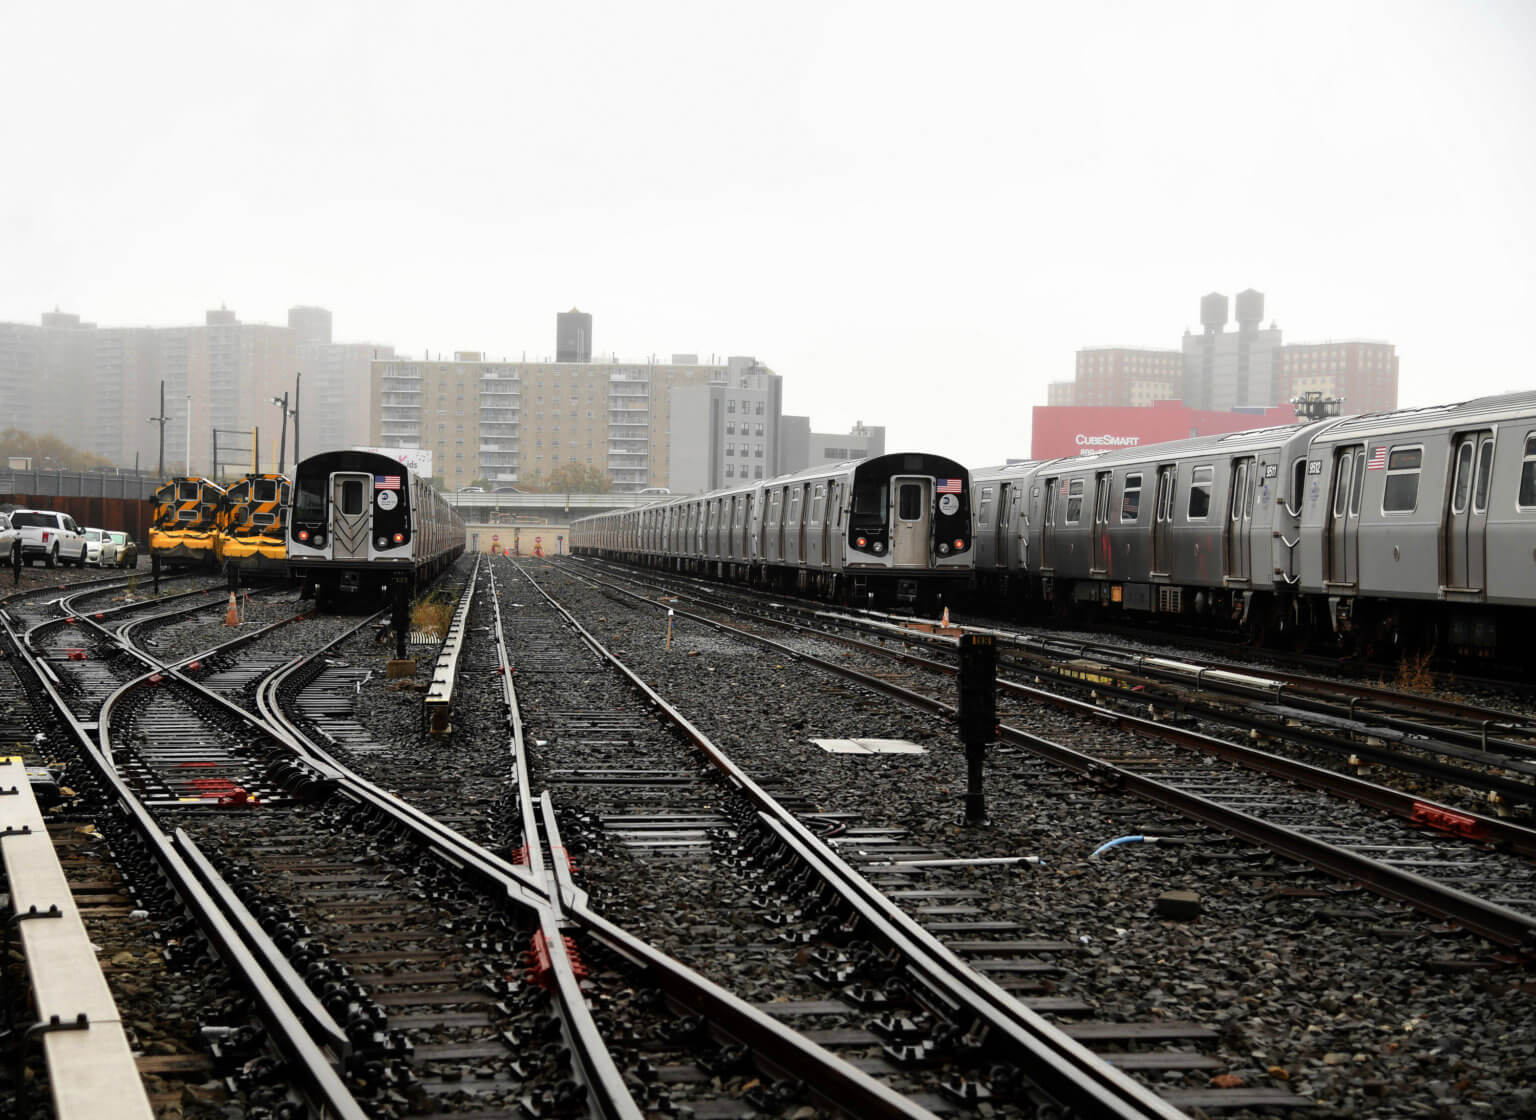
1063 431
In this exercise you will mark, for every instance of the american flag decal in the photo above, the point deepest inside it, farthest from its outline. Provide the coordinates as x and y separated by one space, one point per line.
386 482
946 486
1378 459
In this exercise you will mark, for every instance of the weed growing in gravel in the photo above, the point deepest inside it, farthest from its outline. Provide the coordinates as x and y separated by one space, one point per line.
1414 674
432 614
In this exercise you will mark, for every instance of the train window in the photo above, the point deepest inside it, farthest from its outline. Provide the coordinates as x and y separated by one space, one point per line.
1075 501
309 505
1341 484
187 492
984 509
1298 486
1527 499
818 504
909 501
1402 490
1239 485
1484 476
1200 493
1461 485
264 490
1130 498
351 497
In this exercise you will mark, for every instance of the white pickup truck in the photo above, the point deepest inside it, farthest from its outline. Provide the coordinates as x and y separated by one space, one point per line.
49 536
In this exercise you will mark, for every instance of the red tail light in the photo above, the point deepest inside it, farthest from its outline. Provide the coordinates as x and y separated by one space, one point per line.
399 537
303 534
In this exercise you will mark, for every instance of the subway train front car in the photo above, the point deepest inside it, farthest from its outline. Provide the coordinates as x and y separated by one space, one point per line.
362 525
183 528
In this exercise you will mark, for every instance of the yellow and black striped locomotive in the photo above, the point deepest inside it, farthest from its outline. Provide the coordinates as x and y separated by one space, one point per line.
252 540
183 530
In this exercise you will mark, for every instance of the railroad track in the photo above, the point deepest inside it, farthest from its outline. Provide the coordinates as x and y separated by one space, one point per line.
1427 857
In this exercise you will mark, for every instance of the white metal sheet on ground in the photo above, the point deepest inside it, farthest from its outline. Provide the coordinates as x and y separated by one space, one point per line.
868 746
91 1071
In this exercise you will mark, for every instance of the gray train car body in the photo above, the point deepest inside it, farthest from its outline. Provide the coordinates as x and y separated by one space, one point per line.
1425 507
1413 522
362 524
895 528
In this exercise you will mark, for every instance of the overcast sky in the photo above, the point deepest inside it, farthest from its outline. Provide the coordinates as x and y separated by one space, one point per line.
915 213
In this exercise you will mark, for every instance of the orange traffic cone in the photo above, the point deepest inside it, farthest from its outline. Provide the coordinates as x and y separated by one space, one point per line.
232 616
944 622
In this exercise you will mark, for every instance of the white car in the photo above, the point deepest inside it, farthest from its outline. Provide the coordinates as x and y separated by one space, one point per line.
100 548
10 541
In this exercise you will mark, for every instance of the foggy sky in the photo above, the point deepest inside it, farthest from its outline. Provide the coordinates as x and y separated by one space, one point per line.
915 213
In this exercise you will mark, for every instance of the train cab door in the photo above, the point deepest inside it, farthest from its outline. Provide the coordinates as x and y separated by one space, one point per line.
1162 520
1101 543
1467 523
1240 521
351 514
911 521
1344 515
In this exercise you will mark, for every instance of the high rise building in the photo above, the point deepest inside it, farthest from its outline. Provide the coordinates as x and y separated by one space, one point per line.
1120 375
799 447
515 422
93 387
573 336
1225 370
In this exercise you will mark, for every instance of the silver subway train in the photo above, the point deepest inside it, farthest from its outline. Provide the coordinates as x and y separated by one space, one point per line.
894 529
1374 528
362 524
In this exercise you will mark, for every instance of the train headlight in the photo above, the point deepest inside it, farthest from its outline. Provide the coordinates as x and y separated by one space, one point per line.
319 541
943 548
303 534
382 542
879 546
399 537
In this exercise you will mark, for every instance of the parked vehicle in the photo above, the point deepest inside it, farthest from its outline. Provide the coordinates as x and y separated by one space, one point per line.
10 541
127 550
49 536
99 549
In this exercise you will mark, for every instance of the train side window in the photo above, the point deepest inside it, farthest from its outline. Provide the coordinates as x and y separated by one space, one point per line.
1527 499
909 501
1402 490
351 497
1341 484
1075 501
188 492
819 504
1484 476
1200 493
1298 486
1130 498
1461 486
984 509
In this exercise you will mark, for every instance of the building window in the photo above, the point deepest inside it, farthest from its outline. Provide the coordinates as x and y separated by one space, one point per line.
730 406
730 427
758 451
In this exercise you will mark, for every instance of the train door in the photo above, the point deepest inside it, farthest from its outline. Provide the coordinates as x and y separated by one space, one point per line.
351 514
1001 553
1101 544
1344 515
1240 521
911 521
1162 522
1465 528
1048 525
831 554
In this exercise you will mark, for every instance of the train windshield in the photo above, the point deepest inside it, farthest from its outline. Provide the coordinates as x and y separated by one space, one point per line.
309 503
869 505
187 491
264 490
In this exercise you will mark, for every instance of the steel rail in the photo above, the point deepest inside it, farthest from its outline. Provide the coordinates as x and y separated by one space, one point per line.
1498 924
782 1051
778 1049
314 1074
1062 1068
438 702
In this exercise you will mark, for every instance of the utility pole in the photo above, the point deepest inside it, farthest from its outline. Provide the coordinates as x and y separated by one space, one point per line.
297 378
161 419
282 454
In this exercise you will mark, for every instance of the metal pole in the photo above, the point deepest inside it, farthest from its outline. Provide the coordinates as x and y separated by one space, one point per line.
282 455
256 449
189 435
297 378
